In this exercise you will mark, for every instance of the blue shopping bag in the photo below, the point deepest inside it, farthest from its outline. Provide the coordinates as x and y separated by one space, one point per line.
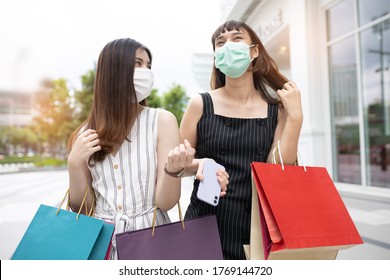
59 234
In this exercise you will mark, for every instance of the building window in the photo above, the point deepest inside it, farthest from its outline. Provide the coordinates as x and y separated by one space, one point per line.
375 57
345 121
359 69
337 23
371 10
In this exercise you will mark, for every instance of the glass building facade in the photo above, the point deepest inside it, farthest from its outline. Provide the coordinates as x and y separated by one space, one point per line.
358 46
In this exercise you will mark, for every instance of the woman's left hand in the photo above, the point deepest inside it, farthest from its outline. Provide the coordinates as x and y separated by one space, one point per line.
290 96
180 157
222 176
223 179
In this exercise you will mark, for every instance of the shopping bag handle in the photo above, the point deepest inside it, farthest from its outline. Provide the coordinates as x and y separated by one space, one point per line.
89 213
155 215
277 149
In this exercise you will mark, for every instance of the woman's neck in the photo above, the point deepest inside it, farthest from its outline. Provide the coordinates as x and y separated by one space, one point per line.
242 88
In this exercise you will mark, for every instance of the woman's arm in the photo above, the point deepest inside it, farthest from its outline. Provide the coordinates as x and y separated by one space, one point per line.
172 156
290 119
188 129
188 132
80 178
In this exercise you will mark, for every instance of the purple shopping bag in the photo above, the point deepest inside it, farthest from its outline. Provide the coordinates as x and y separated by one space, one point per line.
198 239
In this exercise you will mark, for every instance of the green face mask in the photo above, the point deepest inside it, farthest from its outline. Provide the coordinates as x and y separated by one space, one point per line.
233 58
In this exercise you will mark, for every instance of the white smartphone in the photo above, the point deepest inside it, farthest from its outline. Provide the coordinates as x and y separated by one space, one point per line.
209 189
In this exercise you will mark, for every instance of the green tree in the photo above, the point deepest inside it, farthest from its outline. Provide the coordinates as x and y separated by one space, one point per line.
54 123
4 140
175 101
84 97
29 140
154 100
17 139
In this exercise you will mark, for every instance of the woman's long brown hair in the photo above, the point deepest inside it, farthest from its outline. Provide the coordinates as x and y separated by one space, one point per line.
266 74
113 110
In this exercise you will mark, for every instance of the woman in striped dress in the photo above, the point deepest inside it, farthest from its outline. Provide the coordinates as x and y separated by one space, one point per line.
128 154
250 107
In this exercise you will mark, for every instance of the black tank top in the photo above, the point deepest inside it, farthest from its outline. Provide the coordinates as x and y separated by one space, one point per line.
234 143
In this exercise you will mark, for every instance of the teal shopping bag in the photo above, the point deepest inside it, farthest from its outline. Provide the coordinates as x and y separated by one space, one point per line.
59 234
103 243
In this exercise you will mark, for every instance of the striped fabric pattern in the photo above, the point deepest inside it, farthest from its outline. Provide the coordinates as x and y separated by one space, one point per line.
124 183
234 143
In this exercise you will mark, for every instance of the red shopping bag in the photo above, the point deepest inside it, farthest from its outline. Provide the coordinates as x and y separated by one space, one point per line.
297 213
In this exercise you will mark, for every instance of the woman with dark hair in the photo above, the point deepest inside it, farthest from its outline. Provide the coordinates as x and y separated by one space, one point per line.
127 157
250 108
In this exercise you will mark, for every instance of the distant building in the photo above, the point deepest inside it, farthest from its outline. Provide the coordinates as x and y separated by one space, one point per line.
16 108
202 66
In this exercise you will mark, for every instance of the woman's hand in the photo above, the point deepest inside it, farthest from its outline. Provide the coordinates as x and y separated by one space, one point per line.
290 120
222 175
180 157
84 146
290 96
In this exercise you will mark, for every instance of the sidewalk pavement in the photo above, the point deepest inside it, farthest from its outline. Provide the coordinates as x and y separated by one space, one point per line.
21 194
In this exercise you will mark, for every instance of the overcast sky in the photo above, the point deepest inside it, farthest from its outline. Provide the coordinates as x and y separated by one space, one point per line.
63 38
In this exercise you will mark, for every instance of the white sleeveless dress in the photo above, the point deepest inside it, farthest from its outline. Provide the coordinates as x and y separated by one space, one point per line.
124 184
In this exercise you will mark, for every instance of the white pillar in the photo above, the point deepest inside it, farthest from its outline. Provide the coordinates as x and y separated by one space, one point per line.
305 53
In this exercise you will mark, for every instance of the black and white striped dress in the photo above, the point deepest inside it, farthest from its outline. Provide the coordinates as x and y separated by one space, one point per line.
124 184
234 143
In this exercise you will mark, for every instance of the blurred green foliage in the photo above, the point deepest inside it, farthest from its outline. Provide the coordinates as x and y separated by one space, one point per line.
175 101
38 161
59 113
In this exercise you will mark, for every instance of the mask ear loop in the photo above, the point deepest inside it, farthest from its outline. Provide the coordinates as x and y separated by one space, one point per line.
253 45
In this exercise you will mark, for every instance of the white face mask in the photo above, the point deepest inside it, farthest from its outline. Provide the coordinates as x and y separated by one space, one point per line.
143 82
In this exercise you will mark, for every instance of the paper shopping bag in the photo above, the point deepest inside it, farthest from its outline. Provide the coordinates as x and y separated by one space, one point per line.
198 240
102 247
297 213
59 234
